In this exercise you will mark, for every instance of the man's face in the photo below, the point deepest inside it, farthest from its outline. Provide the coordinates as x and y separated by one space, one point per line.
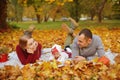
83 41
31 45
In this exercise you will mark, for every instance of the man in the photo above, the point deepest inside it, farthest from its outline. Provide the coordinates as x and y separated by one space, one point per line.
85 45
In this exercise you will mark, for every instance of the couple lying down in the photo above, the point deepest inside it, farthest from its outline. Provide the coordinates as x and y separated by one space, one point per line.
79 47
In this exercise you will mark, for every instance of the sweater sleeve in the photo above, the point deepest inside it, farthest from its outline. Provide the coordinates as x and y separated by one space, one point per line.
100 48
21 55
38 52
25 57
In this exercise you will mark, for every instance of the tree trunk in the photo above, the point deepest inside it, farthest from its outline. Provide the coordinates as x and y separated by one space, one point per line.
37 15
100 10
92 13
54 19
3 14
92 17
76 11
46 17
38 18
100 17
16 17
57 11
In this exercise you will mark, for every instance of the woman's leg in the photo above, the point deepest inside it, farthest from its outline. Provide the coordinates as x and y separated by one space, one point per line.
29 30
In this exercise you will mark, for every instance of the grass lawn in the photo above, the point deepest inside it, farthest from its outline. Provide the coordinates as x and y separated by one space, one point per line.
56 25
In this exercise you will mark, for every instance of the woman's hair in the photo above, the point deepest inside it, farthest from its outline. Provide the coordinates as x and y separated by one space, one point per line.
23 41
86 32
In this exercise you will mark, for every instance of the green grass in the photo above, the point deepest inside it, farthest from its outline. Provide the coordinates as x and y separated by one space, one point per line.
105 23
56 25
41 26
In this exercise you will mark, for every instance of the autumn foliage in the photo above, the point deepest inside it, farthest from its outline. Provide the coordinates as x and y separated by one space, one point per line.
71 71
110 38
51 71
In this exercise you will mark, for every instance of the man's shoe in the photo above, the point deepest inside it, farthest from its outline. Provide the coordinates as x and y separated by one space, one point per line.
73 23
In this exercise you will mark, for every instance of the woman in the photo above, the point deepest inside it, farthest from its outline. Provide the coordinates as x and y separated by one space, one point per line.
28 50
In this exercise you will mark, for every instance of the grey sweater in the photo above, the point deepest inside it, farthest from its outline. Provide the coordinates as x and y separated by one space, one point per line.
95 48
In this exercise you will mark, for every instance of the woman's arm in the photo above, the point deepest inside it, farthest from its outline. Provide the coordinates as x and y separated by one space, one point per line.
23 57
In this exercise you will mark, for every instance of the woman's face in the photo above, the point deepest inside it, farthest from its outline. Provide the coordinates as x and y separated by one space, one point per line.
31 45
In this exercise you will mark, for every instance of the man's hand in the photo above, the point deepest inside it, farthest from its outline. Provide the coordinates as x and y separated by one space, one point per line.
78 59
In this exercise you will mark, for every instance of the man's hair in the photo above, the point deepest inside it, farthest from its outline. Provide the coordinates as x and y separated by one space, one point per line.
86 32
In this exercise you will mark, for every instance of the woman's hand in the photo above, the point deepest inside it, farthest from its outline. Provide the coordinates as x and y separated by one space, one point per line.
29 50
35 45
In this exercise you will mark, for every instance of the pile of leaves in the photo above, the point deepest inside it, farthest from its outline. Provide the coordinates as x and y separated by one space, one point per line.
48 38
83 70
70 71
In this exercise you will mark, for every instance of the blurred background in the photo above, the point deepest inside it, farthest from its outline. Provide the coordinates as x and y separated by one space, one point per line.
40 11
101 16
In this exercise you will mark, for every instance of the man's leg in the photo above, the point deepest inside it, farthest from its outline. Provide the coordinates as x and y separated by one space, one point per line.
68 40
73 23
69 37
70 31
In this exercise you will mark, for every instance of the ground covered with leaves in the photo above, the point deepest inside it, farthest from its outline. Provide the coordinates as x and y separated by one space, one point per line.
110 38
71 71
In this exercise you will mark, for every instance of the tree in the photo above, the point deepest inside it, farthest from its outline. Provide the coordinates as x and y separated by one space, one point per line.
46 11
10 12
90 9
37 7
18 9
74 8
3 14
93 8
29 12
107 12
56 11
57 8
116 9
100 10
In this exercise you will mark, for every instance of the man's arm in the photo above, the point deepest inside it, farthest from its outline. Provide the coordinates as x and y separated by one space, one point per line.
100 48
